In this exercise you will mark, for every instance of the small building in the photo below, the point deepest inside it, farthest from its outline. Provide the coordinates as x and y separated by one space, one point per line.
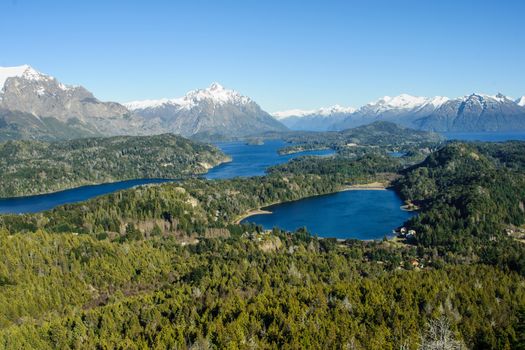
414 263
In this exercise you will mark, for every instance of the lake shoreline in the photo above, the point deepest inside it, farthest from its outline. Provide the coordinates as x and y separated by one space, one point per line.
253 212
118 179
373 186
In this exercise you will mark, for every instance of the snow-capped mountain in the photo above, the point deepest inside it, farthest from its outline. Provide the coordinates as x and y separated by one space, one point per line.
396 109
402 102
323 111
475 112
211 112
24 71
317 119
471 113
57 109
36 105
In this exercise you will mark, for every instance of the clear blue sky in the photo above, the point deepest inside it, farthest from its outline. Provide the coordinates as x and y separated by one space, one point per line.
284 54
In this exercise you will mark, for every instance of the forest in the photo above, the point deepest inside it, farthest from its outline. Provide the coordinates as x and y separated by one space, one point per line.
167 266
36 167
241 292
472 202
383 135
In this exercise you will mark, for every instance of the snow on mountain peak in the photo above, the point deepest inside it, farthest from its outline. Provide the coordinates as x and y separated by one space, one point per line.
19 71
400 101
143 104
215 93
437 100
215 87
27 72
335 109
483 98
521 101
292 113
404 102
323 111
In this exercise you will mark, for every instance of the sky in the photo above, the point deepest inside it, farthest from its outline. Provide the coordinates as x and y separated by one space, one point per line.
283 54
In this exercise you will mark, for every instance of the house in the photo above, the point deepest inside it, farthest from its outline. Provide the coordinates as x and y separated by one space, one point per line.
414 263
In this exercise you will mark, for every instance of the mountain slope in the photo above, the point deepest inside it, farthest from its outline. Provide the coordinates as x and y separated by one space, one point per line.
473 113
211 112
59 111
16 125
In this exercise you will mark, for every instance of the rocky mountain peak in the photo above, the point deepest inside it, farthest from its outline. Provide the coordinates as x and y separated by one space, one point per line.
25 71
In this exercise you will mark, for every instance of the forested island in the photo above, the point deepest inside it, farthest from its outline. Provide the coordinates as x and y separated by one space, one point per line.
166 266
36 167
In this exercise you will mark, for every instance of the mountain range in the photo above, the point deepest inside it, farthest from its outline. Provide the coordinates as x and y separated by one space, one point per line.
472 113
34 105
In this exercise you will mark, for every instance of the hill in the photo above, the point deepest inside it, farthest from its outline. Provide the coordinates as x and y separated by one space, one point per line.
35 167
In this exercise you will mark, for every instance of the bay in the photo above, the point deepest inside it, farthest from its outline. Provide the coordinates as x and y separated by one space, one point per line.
359 214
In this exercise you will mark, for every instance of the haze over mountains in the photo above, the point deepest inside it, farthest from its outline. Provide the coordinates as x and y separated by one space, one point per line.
34 105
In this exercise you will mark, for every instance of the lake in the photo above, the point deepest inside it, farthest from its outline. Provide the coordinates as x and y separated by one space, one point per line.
247 160
359 214
253 160
34 204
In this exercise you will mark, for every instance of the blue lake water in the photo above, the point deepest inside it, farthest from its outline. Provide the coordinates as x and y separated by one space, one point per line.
349 214
253 160
33 204
362 214
247 160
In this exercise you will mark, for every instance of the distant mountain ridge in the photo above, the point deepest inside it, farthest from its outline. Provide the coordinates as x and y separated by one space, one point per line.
214 111
472 113
319 119
34 105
